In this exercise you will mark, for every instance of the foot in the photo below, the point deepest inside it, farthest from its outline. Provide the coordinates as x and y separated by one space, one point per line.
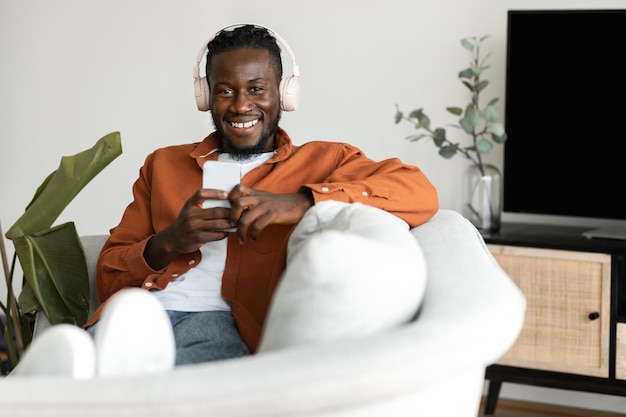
61 350
134 336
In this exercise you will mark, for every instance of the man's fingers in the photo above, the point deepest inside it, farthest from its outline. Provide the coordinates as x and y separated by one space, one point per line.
207 194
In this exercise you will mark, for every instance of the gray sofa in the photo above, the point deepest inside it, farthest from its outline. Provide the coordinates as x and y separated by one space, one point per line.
470 316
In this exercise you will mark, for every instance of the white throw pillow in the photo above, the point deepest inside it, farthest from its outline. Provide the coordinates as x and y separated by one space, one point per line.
352 270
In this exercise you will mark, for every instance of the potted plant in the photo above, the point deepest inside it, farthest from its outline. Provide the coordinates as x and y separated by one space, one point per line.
482 188
52 258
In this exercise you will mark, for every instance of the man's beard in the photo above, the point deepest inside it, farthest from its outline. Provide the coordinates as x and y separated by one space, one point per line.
247 153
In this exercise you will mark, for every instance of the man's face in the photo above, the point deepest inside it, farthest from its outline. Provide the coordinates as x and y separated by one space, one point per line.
245 101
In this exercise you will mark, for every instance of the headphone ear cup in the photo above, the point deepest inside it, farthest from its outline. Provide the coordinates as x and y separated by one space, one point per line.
201 89
289 93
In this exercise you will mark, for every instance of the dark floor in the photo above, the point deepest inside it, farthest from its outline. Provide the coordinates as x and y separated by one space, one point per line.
513 408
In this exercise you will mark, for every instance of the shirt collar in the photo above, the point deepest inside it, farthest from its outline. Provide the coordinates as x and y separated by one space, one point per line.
209 147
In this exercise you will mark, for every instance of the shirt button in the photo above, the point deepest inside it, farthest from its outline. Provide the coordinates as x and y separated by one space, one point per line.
148 284
325 189
364 193
192 262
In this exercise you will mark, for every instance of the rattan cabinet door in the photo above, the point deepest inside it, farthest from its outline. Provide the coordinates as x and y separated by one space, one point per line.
568 309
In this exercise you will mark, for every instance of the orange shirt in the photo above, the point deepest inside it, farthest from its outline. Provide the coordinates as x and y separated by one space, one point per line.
169 176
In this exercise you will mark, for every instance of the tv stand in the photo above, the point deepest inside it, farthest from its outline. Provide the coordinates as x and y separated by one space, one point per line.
574 334
618 233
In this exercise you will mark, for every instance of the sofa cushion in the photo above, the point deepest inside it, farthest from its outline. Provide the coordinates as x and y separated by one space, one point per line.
352 270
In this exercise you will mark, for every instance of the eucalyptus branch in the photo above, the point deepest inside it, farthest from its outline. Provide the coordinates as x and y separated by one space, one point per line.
481 125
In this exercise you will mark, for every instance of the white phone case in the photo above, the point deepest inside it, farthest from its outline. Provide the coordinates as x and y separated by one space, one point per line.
220 176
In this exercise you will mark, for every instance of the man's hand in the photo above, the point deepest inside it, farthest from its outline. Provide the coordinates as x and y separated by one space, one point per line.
193 228
253 210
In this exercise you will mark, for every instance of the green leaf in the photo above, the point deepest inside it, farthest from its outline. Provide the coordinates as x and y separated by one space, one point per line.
457 111
439 136
416 114
474 66
500 138
483 146
27 300
398 116
467 74
40 189
469 85
491 114
424 121
467 44
52 259
414 138
60 187
467 126
56 275
481 85
448 151
475 116
498 129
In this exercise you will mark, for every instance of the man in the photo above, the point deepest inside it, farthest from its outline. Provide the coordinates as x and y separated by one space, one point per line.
216 285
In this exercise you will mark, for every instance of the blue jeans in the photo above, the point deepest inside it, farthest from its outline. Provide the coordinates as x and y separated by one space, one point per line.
203 336
206 336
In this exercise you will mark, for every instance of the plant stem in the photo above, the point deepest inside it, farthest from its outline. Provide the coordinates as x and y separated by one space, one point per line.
14 329
475 104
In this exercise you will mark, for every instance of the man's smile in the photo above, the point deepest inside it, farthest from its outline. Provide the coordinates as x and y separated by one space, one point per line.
245 124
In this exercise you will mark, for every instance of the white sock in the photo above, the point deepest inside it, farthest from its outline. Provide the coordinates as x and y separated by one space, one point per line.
134 336
60 350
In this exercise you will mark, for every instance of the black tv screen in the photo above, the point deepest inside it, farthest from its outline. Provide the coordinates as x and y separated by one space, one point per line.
565 113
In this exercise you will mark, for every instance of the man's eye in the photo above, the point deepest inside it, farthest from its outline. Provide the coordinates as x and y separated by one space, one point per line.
257 89
225 92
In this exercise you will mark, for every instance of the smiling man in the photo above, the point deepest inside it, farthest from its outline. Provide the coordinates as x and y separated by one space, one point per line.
216 285
244 103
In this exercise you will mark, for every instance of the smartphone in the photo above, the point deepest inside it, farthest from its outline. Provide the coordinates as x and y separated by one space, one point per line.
220 176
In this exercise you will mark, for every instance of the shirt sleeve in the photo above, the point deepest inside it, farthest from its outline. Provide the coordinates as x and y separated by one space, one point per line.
401 189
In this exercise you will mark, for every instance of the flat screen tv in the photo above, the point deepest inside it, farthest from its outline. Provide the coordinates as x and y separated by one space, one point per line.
565 115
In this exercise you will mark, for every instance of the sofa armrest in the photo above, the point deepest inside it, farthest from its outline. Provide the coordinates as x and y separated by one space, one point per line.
465 279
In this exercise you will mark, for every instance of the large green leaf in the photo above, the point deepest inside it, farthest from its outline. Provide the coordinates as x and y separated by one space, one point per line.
60 187
56 274
53 260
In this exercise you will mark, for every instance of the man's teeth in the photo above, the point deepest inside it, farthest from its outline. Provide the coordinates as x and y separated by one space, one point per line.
246 124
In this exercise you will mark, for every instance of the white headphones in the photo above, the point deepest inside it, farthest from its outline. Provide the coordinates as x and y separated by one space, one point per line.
289 87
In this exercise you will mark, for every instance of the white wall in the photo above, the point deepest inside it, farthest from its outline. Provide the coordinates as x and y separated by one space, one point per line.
72 71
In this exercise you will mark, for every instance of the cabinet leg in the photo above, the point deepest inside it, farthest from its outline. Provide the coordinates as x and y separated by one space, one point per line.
492 397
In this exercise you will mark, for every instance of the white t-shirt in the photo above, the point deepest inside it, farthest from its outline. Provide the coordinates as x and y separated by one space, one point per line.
199 289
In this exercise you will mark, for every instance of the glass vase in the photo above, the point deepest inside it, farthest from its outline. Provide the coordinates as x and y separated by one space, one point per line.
482 197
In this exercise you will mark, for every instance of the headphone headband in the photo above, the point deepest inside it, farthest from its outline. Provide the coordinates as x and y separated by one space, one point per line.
289 87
